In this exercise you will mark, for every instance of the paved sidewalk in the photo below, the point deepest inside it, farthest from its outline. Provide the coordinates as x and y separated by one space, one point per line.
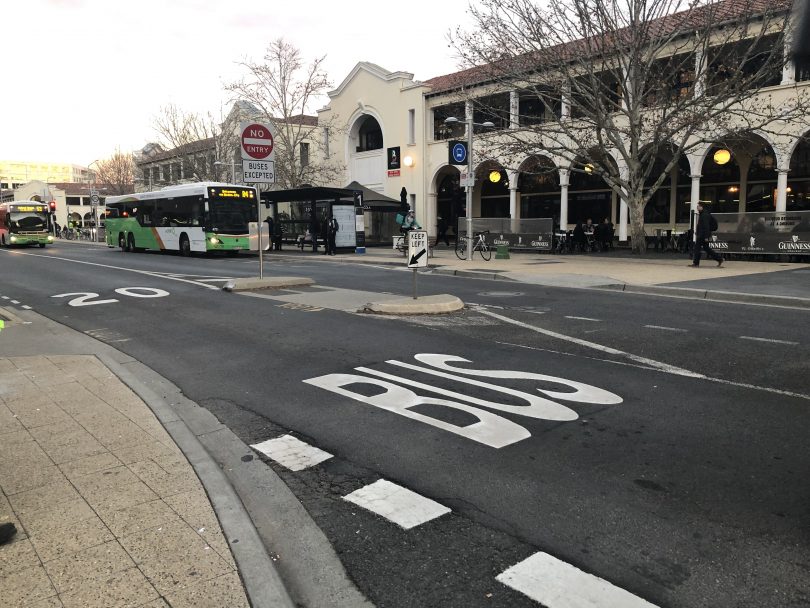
109 512
736 280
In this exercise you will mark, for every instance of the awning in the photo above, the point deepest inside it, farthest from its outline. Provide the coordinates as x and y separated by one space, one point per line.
373 200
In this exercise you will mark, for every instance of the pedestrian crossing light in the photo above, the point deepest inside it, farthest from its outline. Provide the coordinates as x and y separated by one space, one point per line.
52 206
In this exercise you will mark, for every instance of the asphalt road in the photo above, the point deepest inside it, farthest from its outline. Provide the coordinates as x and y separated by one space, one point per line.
680 476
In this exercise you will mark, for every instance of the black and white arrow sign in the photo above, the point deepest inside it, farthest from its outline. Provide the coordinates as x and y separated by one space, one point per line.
417 249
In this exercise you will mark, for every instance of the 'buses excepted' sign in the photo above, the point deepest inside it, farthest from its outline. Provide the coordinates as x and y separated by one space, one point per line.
258 172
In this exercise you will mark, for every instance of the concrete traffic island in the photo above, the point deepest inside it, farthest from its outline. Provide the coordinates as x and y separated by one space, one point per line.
426 305
251 283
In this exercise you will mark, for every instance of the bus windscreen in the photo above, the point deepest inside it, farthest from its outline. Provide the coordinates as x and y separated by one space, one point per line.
28 221
231 209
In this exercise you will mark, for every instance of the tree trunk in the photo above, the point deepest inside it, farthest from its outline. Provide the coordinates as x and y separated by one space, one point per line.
638 238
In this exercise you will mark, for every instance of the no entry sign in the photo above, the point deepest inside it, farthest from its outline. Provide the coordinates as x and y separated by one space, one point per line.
257 141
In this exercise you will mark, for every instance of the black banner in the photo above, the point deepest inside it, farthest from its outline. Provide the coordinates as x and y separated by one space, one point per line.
766 233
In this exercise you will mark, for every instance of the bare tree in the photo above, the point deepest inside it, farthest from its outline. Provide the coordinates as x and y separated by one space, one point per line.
283 88
633 81
197 141
116 173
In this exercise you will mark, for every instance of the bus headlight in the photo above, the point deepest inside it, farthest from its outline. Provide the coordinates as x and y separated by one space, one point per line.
13 239
214 240
50 238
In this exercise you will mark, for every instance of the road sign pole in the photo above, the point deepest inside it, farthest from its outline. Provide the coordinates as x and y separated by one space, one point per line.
414 285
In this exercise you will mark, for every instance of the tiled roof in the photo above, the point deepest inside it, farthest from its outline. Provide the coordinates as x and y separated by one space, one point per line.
717 12
74 188
184 150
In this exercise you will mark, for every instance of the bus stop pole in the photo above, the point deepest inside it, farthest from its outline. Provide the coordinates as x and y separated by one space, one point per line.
259 230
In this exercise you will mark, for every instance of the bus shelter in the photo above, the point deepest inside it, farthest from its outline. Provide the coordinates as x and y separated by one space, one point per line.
380 212
301 215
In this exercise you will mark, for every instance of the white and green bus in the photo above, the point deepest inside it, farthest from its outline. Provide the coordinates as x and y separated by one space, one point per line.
198 217
24 223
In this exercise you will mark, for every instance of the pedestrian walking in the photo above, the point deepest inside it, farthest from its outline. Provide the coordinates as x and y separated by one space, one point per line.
442 226
706 224
333 230
270 232
314 230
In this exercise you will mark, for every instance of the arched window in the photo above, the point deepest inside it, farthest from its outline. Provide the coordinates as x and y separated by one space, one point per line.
370 135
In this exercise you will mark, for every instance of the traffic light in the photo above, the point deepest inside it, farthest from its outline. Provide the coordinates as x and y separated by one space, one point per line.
52 206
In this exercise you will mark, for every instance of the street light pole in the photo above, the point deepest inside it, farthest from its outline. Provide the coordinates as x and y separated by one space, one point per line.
233 169
470 180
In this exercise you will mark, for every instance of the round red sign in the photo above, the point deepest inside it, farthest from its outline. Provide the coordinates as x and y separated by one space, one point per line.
257 141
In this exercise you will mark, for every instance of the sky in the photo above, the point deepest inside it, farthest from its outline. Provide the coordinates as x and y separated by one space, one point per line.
80 78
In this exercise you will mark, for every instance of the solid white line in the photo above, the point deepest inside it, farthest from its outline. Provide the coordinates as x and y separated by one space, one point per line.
146 272
397 504
605 349
584 319
665 328
649 363
292 453
772 340
557 584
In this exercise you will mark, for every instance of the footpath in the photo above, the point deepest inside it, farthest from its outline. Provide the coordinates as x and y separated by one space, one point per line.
116 483
661 274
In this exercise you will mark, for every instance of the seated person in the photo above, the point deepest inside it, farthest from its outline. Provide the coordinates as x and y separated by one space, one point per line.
579 236
409 223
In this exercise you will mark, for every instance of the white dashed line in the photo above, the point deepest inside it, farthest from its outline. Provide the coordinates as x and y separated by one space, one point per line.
4 297
557 584
397 504
584 319
14 302
291 452
664 328
26 307
771 340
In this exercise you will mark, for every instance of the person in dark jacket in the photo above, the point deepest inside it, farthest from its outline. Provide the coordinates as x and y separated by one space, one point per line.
331 247
703 234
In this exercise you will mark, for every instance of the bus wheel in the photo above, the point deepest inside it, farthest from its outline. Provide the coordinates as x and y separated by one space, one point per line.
42 245
185 246
130 243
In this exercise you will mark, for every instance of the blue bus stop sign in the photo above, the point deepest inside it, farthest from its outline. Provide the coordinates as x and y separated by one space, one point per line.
458 152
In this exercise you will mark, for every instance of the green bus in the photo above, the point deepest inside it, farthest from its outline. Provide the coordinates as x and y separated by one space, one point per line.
188 218
24 223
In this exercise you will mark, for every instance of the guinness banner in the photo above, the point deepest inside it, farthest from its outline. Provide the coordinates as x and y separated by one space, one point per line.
533 233
767 233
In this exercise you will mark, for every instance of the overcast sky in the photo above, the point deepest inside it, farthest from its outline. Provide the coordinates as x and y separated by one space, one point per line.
81 77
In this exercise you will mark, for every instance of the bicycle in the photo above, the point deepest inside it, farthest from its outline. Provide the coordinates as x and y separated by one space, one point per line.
479 245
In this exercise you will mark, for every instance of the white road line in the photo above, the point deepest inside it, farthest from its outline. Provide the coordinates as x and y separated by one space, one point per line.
649 363
583 319
771 340
397 504
4 297
26 307
292 453
14 302
557 584
664 328
158 275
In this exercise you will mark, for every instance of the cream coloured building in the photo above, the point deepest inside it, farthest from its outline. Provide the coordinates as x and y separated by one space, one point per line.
375 110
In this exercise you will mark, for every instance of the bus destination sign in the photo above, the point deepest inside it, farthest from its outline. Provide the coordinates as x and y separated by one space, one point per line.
240 193
29 208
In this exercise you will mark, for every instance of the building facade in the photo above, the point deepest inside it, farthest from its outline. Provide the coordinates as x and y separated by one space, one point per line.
379 113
